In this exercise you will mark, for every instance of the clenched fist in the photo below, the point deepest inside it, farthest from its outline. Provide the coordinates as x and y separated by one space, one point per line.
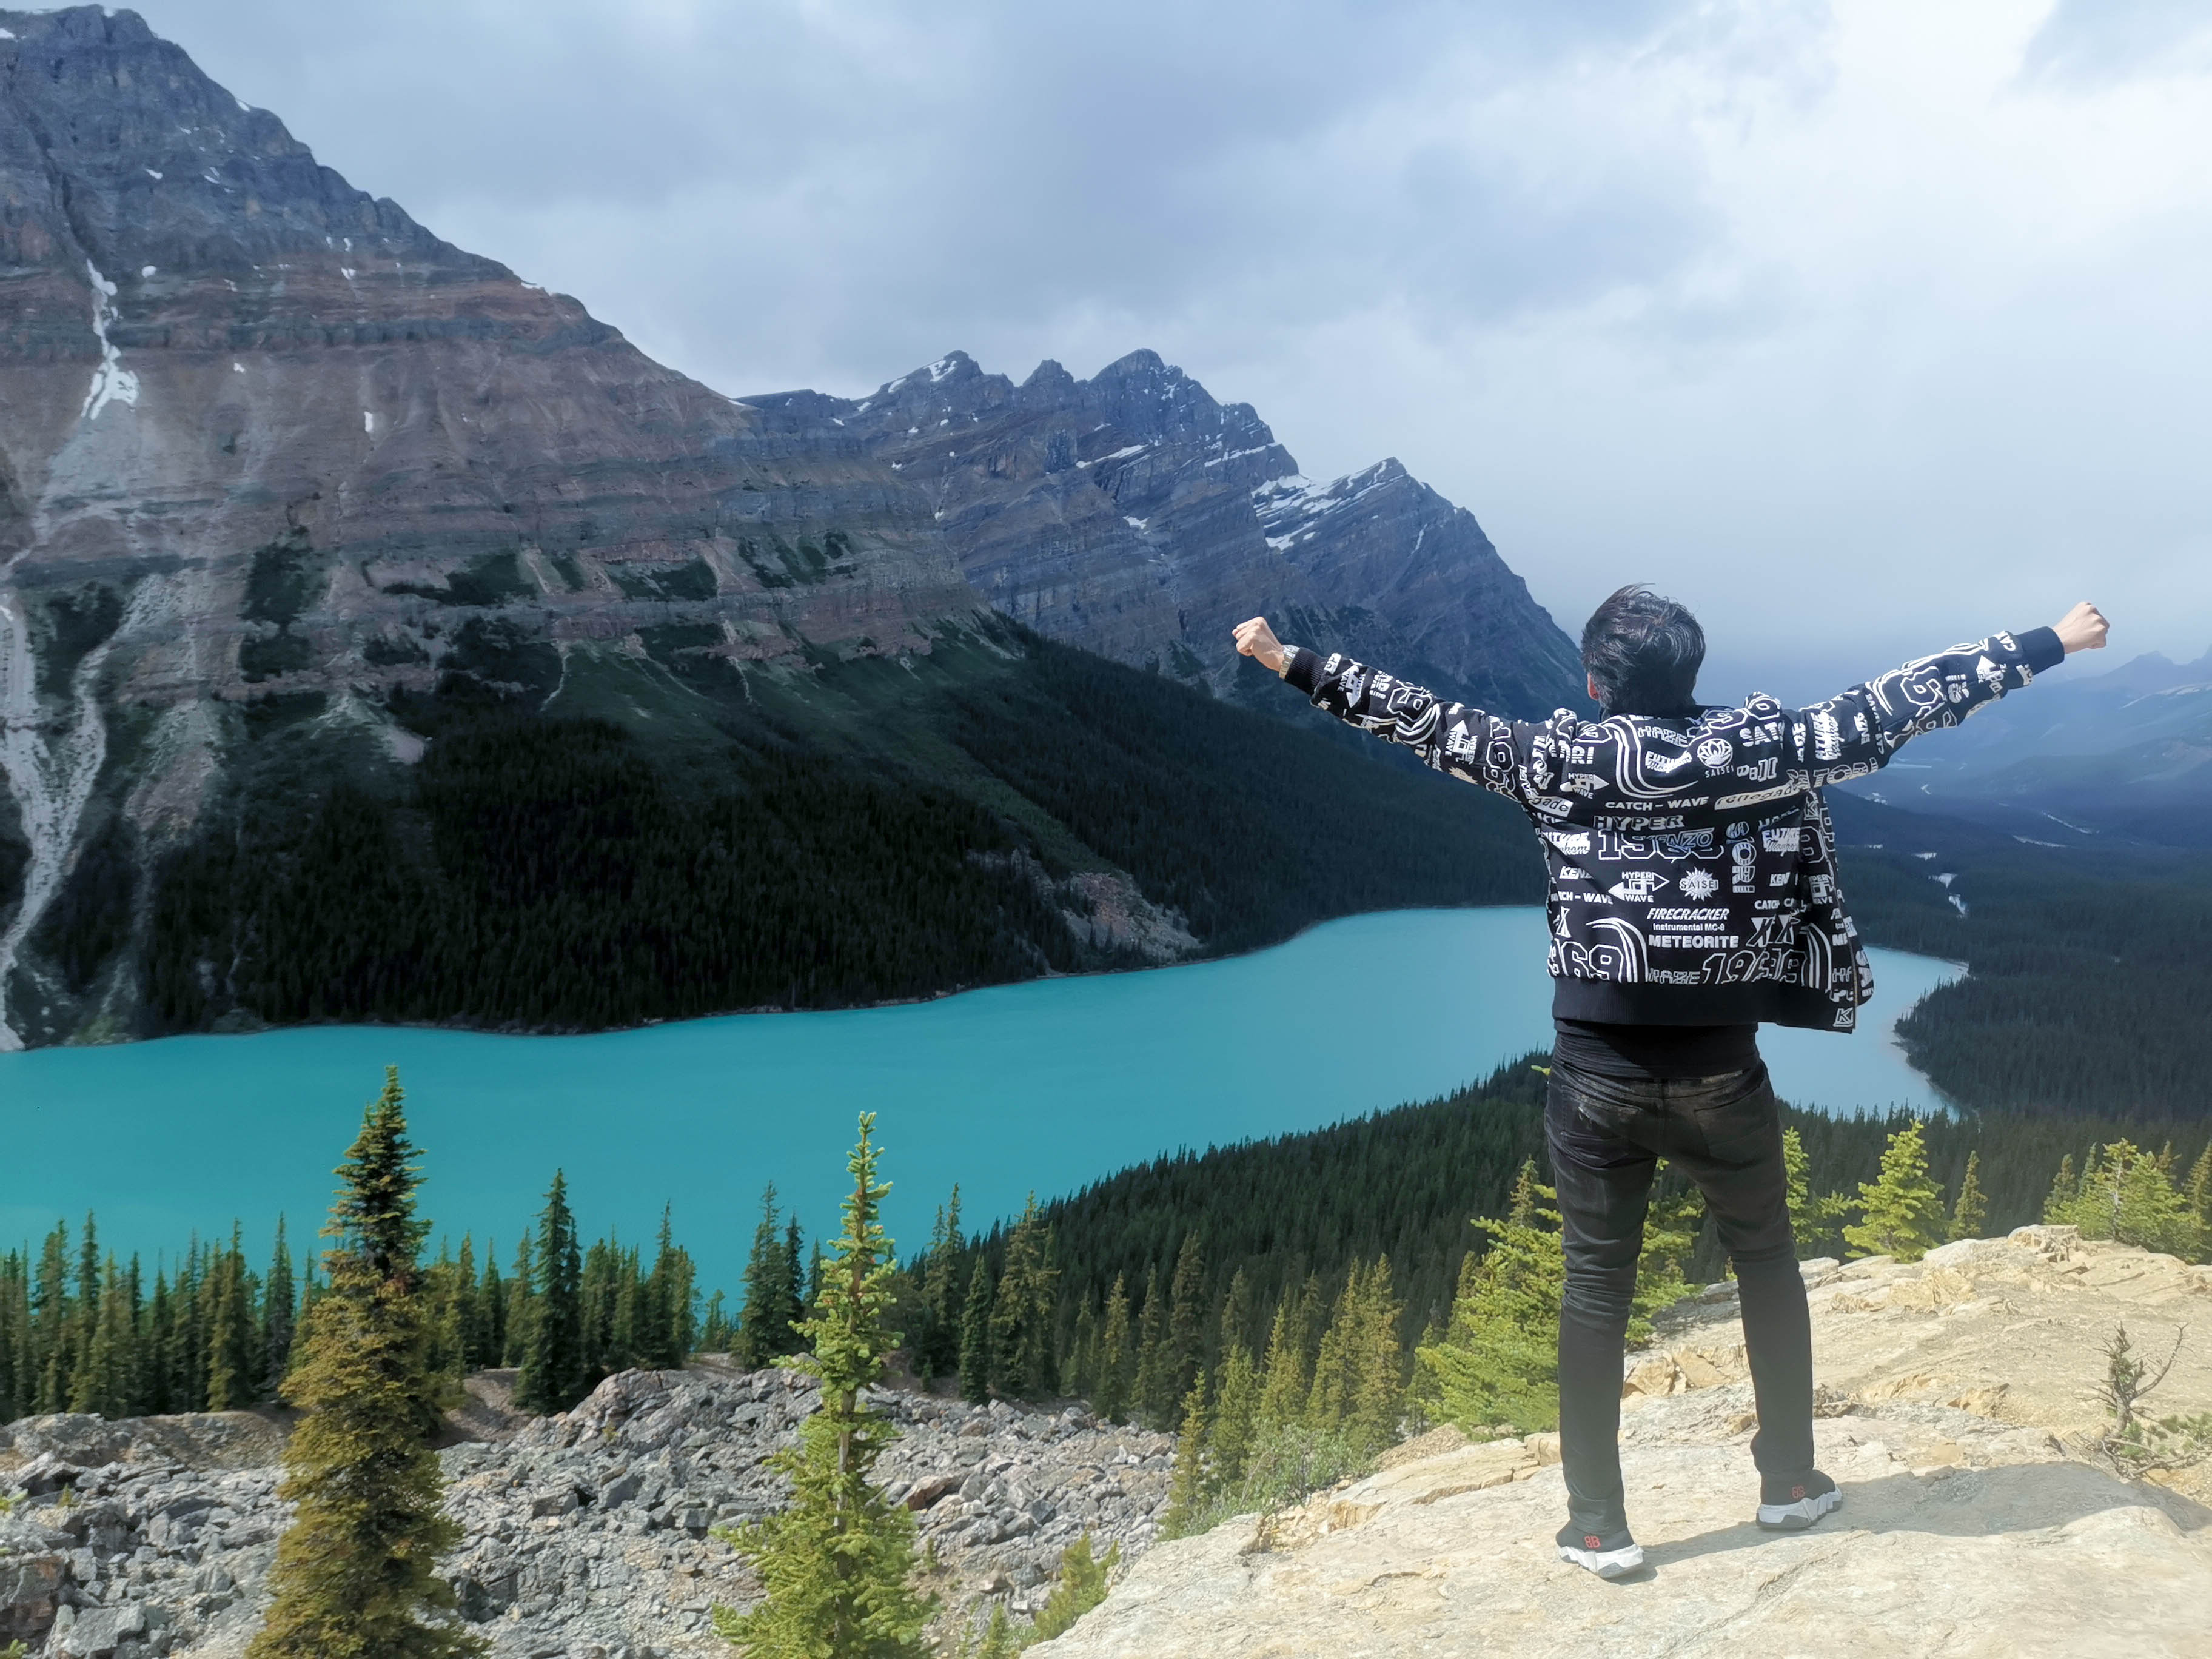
2082 628
1257 640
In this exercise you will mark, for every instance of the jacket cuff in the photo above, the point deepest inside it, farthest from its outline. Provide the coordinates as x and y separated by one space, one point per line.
2041 648
1303 670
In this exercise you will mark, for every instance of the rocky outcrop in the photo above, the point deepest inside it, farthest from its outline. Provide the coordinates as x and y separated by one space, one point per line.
587 1534
1132 514
1955 1415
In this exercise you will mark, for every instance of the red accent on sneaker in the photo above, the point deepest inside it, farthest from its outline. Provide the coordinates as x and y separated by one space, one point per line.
1797 1491
1591 1541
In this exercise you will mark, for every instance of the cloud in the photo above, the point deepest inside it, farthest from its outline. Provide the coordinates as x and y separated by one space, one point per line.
2102 41
1861 328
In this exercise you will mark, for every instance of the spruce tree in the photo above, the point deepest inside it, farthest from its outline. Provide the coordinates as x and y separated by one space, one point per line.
936 1350
1903 1210
836 1563
492 1302
279 1297
354 1575
2064 1190
468 1322
671 1322
49 1324
1971 1210
1499 1358
1156 1399
1111 1380
765 1322
2128 1195
521 1304
1190 1484
552 1377
1287 1378
1236 1415
1022 1311
233 1364
975 1335
1187 1307
1082 1587
2200 1196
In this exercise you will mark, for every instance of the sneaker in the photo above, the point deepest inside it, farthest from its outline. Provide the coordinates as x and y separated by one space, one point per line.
1609 1555
1792 1505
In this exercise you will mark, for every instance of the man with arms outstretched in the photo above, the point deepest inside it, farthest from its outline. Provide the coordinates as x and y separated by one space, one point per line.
1693 895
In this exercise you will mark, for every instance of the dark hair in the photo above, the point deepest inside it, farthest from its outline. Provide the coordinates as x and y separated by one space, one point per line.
1642 652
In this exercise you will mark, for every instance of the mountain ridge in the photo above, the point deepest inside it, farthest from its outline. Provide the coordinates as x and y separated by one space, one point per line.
1135 515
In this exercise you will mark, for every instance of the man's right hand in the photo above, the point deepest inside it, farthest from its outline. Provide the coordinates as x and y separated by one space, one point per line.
2082 628
1257 640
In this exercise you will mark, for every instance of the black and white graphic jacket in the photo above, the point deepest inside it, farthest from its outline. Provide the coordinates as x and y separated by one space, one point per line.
1693 863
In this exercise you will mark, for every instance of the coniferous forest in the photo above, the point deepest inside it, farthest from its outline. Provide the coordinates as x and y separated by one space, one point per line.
571 871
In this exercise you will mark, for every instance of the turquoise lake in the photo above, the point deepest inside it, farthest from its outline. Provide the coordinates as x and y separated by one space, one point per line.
1046 1086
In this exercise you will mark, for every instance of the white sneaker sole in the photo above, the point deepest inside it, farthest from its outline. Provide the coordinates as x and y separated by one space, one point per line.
1795 1518
1605 1564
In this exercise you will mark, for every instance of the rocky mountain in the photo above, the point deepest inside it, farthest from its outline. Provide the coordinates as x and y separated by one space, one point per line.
1134 515
2122 758
1977 1520
294 492
1955 1411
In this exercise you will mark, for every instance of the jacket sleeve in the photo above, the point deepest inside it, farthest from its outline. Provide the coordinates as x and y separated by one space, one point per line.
1858 731
1453 739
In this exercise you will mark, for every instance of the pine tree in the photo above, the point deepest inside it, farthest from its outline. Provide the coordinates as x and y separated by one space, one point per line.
836 1565
552 1378
2200 1193
975 1335
1111 1380
1903 1210
1971 1210
279 1296
354 1575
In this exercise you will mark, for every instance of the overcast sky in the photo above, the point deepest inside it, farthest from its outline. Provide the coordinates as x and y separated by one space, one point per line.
1860 327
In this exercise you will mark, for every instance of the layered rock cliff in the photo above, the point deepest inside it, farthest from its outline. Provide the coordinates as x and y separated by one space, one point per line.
290 488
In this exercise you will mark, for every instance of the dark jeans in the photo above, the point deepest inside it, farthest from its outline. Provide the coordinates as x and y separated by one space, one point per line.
1725 1134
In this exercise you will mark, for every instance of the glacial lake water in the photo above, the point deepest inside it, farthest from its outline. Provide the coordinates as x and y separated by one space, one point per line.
1046 1086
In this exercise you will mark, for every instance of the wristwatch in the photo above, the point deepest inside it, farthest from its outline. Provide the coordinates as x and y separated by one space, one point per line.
1289 652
